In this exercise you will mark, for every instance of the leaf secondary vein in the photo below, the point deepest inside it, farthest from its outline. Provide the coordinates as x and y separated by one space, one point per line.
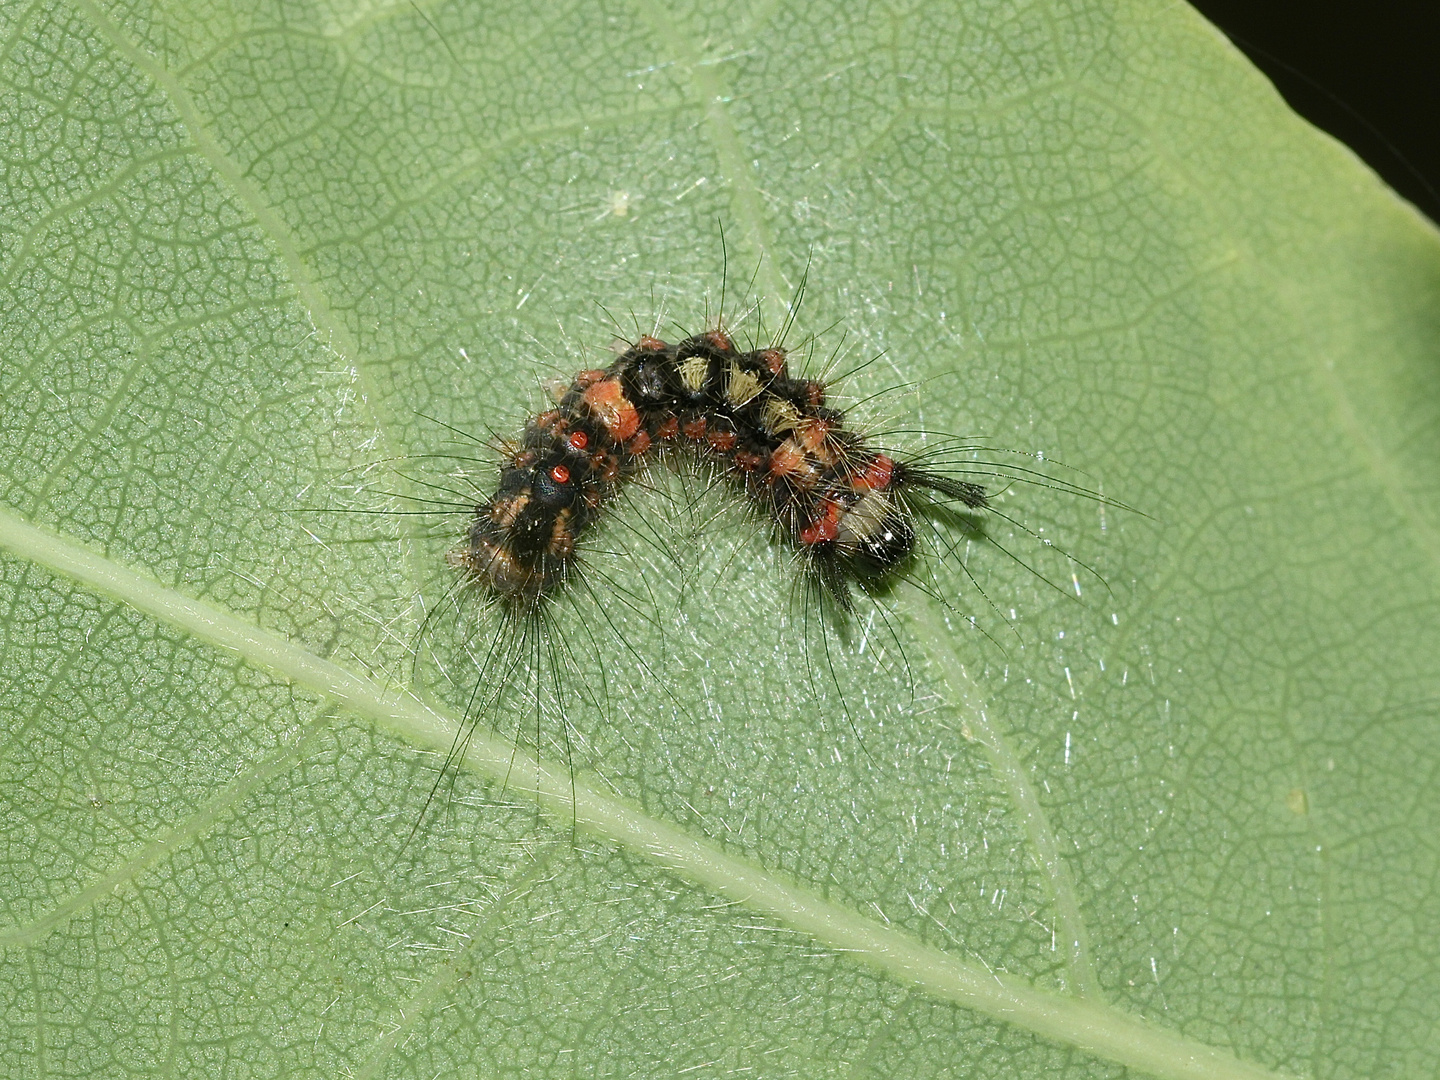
228 171
1022 794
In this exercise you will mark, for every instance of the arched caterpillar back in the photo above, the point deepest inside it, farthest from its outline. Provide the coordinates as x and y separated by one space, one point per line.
843 504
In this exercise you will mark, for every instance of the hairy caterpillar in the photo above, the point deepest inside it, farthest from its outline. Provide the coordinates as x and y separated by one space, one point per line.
843 504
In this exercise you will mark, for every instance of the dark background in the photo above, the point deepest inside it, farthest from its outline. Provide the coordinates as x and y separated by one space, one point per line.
1368 73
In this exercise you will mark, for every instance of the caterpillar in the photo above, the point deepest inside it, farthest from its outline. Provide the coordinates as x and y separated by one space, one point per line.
845 506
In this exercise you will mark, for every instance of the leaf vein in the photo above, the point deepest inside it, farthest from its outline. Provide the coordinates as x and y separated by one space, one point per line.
1088 1025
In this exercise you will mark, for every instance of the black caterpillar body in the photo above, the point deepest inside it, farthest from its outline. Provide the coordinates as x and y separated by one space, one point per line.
844 505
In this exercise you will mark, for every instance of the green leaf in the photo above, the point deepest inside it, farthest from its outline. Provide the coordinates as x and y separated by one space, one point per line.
258 264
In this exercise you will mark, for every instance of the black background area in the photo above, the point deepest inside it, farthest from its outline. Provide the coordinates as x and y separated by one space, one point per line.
1366 72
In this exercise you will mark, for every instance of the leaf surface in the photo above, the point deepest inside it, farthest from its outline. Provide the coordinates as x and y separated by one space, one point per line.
262 266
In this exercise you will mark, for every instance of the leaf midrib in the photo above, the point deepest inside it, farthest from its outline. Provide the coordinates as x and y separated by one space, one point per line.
1096 1028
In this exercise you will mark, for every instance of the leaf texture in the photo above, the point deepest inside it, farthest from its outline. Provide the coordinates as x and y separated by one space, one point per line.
272 273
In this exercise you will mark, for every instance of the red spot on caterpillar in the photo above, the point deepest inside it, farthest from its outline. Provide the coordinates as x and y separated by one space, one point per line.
720 340
877 474
774 360
639 443
695 429
786 459
812 436
823 529
722 442
669 428
578 440
650 344
560 474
